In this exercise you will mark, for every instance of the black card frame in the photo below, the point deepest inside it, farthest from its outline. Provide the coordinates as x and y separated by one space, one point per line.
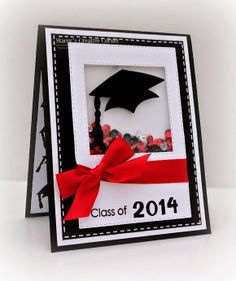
41 69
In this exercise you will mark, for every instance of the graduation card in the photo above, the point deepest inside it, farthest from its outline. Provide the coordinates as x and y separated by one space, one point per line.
115 141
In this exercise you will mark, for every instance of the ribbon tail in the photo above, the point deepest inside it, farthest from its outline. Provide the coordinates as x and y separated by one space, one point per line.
140 170
165 171
84 199
68 181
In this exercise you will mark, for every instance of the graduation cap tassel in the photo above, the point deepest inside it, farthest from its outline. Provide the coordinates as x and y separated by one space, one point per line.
97 104
97 131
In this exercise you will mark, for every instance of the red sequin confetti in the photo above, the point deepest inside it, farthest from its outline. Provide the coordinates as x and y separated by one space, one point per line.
139 143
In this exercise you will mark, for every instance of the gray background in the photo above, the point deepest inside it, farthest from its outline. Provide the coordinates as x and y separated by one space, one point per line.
212 25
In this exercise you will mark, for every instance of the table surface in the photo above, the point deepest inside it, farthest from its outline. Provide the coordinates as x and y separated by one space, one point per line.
25 248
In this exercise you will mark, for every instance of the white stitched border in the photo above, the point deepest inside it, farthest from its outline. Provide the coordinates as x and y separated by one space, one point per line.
59 135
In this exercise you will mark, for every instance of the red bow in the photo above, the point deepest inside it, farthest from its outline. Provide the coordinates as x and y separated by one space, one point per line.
84 182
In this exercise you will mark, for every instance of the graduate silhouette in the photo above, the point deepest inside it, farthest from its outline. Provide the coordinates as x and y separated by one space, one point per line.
125 89
41 194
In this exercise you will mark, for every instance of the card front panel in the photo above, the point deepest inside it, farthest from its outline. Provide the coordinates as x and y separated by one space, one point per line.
79 232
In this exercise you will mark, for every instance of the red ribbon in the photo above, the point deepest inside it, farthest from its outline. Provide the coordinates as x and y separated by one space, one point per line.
115 167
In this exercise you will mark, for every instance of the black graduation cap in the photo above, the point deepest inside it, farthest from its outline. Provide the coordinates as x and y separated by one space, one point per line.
41 194
127 89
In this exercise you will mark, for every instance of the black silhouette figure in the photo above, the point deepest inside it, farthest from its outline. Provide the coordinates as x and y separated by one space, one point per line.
43 136
44 191
41 194
44 158
125 89
43 161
